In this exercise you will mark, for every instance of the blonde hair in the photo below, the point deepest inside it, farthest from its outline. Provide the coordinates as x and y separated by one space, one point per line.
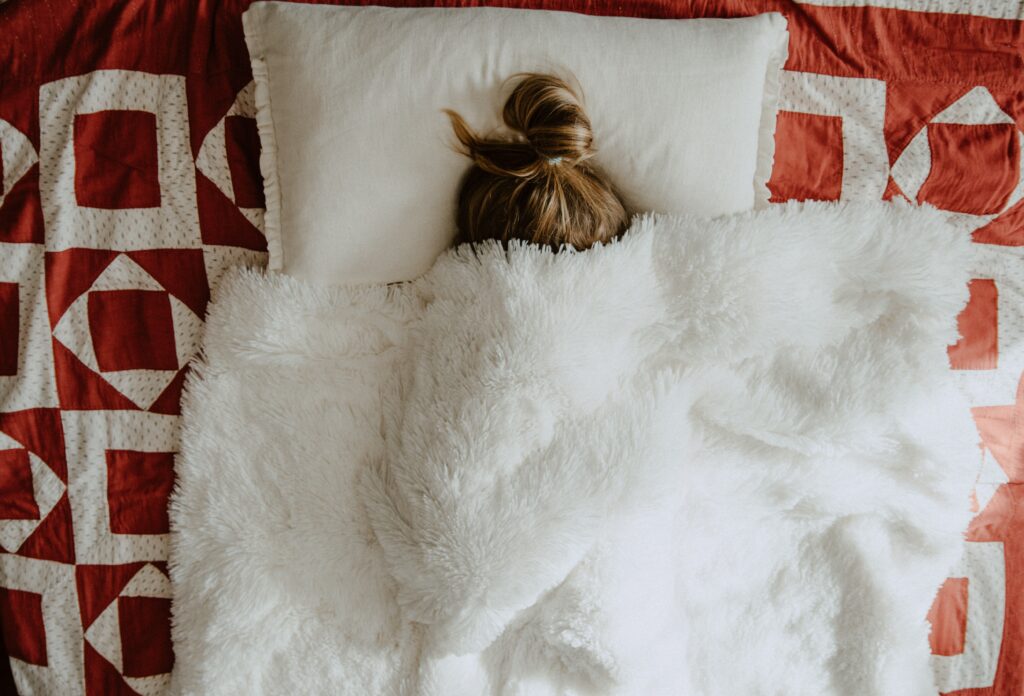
541 186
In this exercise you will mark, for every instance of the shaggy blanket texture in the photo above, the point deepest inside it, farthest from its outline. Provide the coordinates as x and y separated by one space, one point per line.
716 457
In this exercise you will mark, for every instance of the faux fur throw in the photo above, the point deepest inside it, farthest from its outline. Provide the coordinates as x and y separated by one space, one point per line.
716 457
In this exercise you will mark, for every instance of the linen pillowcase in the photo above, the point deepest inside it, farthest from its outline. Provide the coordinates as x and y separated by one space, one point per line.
358 161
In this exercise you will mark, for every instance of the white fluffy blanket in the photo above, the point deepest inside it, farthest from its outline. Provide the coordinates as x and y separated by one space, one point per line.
717 457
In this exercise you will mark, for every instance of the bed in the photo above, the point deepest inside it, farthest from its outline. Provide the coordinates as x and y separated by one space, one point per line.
130 184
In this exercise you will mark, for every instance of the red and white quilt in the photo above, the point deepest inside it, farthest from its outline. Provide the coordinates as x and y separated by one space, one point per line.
129 182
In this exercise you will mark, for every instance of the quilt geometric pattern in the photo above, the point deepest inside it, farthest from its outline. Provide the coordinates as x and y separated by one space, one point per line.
129 182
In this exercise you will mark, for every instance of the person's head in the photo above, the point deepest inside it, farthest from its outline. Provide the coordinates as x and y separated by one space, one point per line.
540 186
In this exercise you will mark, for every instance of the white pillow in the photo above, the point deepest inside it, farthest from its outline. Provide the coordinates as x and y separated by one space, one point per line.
360 174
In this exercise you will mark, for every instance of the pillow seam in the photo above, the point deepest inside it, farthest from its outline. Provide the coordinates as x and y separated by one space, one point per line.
251 24
771 99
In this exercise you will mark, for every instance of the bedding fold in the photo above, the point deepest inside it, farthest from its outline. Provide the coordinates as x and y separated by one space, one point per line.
717 456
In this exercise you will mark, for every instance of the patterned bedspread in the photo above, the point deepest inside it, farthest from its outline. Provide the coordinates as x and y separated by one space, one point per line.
129 182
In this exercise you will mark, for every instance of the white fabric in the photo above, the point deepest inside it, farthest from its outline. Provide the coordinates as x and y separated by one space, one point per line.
714 458
355 144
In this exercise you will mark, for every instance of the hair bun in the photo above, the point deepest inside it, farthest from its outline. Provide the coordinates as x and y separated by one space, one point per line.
538 186
546 111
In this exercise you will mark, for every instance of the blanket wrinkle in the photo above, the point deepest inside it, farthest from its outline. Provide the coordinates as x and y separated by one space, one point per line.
716 456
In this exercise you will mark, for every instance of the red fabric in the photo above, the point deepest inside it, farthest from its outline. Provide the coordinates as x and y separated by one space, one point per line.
948 617
21 216
890 44
100 585
1002 430
182 273
40 432
81 388
116 160
10 331
243 146
978 347
132 330
809 157
169 401
22 616
138 484
115 288
974 167
71 273
220 220
145 624
142 331
103 678
1005 230
53 539
910 105
17 499
6 675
